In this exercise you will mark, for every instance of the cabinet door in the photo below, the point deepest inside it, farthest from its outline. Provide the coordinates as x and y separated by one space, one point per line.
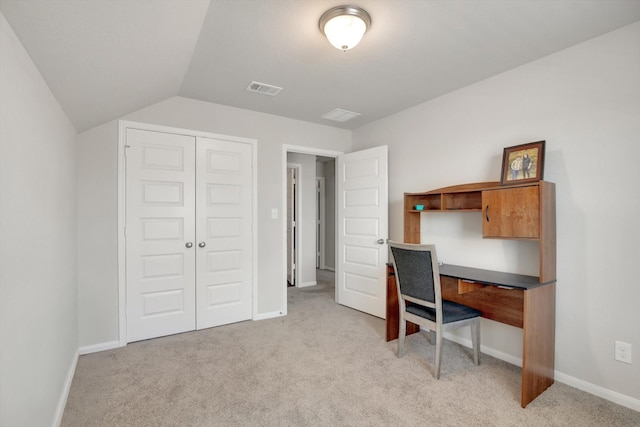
511 212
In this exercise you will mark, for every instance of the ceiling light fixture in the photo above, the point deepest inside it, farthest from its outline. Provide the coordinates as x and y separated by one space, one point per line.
344 26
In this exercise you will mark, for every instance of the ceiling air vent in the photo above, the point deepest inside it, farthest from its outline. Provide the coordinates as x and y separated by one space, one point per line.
264 88
340 115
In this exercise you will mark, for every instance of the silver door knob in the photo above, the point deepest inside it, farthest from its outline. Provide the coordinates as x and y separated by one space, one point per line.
202 244
189 245
380 241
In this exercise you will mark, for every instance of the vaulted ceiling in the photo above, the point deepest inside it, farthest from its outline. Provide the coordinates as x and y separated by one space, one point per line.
105 58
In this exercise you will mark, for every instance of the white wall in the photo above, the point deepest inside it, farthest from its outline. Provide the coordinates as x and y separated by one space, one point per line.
38 301
307 220
585 102
98 236
97 221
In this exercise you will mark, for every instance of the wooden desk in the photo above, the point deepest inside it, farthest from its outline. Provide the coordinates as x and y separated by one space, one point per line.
513 299
520 211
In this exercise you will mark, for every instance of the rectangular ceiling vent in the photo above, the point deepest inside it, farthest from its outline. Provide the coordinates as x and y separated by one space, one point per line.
264 88
340 115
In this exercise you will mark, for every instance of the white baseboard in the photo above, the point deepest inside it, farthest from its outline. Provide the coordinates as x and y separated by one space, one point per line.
307 284
62 401
271 315
326 267
596 390
94 348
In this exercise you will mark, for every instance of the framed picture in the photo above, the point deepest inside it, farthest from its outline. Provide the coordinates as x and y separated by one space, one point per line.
522 163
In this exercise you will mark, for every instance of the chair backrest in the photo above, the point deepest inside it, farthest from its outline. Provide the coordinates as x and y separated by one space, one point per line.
417 273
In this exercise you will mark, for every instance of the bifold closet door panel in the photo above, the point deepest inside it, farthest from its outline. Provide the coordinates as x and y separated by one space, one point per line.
224 185
160 228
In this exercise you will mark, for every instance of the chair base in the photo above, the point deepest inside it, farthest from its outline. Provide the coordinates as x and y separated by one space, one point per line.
434 335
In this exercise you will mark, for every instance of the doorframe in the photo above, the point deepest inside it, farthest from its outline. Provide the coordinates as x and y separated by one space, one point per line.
123 125
296 208
288 148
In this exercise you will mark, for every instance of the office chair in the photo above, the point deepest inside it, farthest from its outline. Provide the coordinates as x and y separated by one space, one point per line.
420 298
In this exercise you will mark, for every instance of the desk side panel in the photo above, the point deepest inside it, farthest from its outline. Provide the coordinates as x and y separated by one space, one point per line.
393 309
411 226
538 350
547 231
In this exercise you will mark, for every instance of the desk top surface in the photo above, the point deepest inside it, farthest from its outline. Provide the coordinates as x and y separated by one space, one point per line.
490 277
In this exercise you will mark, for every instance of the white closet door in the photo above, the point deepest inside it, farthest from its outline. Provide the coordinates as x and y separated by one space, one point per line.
224 232
160 200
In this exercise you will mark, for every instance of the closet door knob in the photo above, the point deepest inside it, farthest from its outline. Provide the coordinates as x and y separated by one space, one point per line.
189 245
202 244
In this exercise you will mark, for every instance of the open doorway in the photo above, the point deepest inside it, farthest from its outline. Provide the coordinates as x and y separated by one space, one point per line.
361 226
310 217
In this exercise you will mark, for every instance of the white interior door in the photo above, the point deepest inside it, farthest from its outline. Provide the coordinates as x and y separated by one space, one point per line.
363 230
224 232
160 267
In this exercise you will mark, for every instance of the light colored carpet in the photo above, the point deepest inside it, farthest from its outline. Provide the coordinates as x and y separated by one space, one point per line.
321 365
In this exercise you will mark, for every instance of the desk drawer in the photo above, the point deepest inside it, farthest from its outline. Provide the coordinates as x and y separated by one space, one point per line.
495 303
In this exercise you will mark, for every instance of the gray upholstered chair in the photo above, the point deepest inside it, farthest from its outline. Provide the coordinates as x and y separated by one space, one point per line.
420 299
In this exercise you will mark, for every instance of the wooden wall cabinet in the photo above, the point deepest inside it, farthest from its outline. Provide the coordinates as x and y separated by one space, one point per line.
511 213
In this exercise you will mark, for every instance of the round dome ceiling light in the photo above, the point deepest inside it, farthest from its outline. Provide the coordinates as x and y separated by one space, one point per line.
344 26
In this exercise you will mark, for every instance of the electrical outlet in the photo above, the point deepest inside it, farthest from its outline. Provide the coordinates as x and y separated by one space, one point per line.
623 352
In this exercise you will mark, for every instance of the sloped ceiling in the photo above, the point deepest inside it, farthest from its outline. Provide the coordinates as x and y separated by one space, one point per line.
106 58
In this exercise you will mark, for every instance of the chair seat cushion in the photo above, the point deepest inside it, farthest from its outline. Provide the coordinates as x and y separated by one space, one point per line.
452 311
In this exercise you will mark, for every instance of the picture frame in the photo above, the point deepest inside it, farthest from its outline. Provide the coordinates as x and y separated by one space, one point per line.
523 163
